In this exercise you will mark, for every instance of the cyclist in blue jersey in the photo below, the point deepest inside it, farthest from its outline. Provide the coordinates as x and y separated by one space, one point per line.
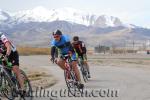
63 44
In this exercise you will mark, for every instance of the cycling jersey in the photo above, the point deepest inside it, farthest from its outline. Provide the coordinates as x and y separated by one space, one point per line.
14 56
64 46
79 46
3 40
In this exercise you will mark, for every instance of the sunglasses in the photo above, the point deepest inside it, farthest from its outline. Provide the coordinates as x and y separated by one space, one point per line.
56 36
75 40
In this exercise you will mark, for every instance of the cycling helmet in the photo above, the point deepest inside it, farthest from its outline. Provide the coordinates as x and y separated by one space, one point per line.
57 32
75 38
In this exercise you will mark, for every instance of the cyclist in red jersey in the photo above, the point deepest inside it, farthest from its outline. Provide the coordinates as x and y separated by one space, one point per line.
80 48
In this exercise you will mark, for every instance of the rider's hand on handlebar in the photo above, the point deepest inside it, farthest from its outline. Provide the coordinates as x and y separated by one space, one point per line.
52 59
5 57
70 53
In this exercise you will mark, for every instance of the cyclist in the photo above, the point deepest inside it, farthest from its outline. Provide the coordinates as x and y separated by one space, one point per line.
11 54
63 44
80 48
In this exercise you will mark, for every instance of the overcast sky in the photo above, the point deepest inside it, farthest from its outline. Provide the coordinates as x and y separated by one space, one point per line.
129 11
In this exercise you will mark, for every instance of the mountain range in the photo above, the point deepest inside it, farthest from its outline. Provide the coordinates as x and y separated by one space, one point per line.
34 27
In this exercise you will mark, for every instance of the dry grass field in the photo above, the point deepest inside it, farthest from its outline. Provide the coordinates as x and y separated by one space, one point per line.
33 51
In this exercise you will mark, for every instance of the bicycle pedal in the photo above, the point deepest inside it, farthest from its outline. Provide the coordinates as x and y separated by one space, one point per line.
15 94
89 76
80 86
76 83
22 92
84 73
79 64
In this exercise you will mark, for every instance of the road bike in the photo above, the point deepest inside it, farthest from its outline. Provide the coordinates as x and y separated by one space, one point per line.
83 69
6 84
15 86
70 77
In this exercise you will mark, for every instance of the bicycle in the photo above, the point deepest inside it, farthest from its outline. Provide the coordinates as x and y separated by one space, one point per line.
16 86
83 69
6 84
70 77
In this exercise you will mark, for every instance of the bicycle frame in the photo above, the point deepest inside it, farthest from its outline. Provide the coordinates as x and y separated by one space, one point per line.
83 69
8 65
72 83
5 81
67 60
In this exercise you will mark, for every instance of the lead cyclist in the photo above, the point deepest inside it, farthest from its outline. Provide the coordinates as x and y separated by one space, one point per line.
63 44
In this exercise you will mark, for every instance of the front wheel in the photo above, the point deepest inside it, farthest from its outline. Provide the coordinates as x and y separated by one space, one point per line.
6 86
71 82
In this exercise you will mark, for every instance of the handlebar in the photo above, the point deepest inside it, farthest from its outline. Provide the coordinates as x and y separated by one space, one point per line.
65 56
5 61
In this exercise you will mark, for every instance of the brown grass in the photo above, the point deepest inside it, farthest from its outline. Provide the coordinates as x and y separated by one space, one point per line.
39 51
33 51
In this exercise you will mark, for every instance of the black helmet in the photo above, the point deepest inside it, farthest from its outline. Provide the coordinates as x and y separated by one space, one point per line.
75 38
57 32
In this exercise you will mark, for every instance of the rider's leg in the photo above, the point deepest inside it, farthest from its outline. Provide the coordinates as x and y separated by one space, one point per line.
14 59
76 70
77 73
61 63
74 65
16 70
86 64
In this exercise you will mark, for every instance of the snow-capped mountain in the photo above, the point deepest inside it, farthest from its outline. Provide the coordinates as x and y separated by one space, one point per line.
41 14
33 27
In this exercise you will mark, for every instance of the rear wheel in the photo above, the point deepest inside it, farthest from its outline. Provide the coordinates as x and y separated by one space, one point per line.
72 83
84 72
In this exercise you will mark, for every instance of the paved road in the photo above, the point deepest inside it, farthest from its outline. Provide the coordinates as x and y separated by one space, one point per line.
107 83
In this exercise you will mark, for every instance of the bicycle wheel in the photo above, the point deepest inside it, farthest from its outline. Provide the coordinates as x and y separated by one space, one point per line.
6 86
84 72
28 89
71 82
78 90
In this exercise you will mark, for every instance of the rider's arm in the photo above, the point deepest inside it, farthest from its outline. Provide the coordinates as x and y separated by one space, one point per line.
53 51
8 46
83 48
70 47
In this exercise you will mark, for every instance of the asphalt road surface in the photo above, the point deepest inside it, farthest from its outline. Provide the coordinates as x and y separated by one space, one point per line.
106 83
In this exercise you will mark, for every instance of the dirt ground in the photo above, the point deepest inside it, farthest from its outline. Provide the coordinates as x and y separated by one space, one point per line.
39 76
121 60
